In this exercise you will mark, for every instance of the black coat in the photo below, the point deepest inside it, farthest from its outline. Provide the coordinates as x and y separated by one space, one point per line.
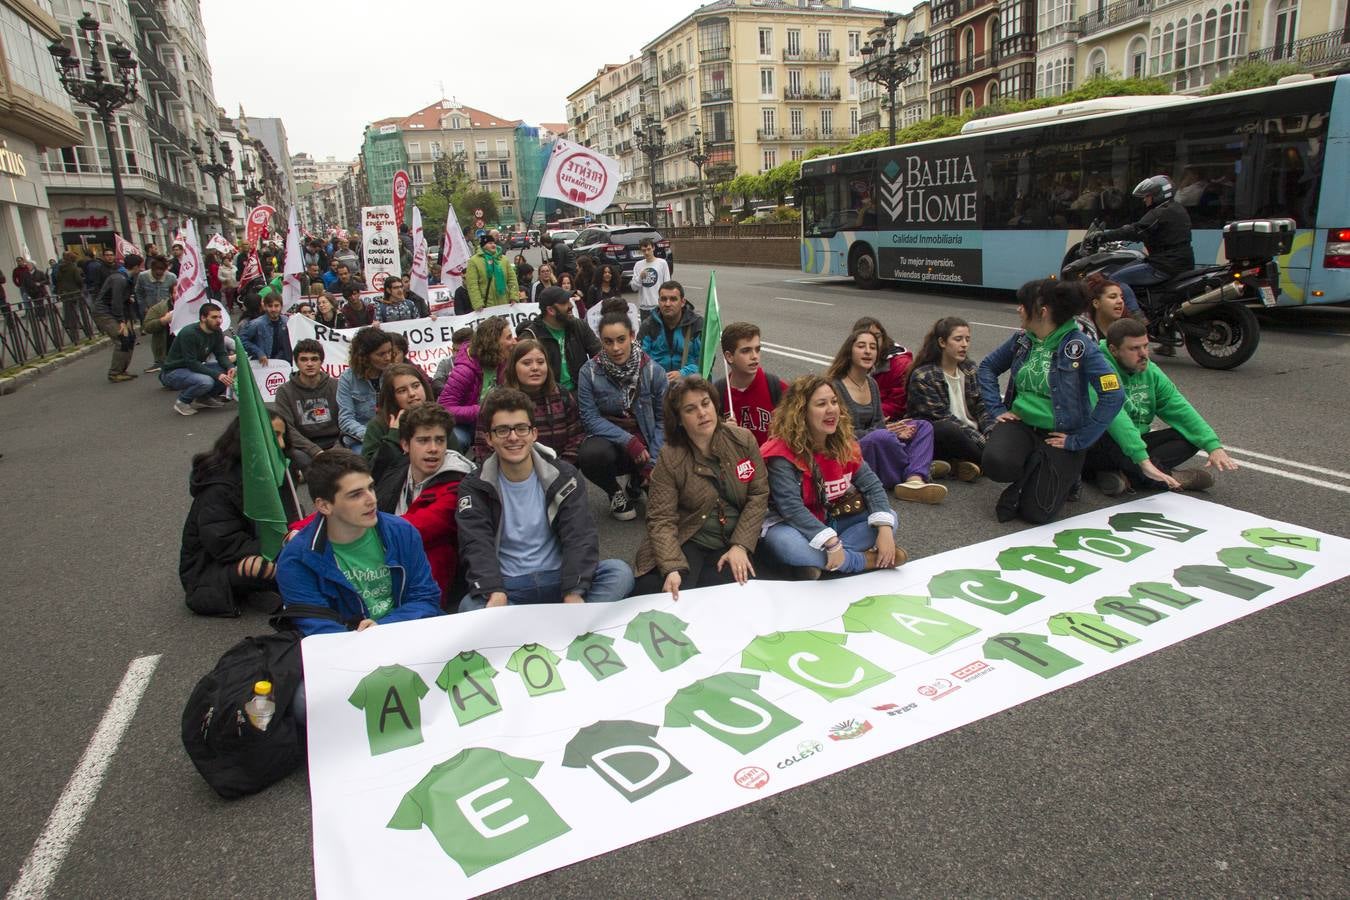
582 344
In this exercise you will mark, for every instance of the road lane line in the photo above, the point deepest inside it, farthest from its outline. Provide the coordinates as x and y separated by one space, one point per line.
1292 476
795 300
795 353
63 826
1288 462
992 325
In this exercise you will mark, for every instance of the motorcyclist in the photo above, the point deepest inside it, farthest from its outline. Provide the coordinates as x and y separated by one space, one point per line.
1165 230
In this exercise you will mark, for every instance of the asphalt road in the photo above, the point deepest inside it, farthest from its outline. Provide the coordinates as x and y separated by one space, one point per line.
1214 767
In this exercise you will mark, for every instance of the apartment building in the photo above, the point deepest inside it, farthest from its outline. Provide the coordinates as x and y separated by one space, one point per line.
981 51
304 169
911 98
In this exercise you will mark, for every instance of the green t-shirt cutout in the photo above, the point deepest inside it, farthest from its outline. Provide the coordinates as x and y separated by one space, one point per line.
1270 537
726 707
467 679
1262 561
538 668
1091 629
363 562
1154 525
596 653
1100 542
817 660
1162 592
1218 578
1131 612
481 808
662 636
1031 652
1048 562
391 697
625 755
909 620
984 588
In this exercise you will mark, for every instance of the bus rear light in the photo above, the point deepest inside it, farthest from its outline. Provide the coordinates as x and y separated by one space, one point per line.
1338 249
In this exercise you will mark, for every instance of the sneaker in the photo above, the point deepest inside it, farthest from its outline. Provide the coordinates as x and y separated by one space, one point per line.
967 471
1194 479
119 377
1112 483
939 468
151 370
806 573
208 403
621 506
184 409
920 492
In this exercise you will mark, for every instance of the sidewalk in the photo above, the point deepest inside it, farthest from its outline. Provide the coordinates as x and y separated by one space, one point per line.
13 379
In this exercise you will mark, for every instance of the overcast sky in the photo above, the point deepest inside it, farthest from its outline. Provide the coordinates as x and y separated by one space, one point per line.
328 69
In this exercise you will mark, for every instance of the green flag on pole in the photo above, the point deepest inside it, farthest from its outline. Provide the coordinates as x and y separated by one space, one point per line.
712 328
264 464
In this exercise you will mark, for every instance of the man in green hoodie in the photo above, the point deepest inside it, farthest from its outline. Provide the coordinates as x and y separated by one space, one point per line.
1149 395
489 278
186 370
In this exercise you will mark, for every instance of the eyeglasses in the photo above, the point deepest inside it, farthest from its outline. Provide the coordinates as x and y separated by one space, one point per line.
502 432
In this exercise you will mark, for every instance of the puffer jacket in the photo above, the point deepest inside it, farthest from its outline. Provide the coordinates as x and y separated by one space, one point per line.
892 377
463 388
668 349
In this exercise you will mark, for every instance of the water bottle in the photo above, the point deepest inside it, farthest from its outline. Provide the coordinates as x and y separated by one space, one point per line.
260 709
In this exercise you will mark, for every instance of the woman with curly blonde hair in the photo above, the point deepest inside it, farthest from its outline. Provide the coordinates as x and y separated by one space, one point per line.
827 508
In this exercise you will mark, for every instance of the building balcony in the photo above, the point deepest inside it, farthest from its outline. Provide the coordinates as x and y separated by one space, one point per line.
719 138
714 54
161 126
1117 15
674 71
491 154
674 109
808 135
828 57
149 18
975 67
721 95
620 118
179 196
157 70
951 10
813 94
623 147
1318 53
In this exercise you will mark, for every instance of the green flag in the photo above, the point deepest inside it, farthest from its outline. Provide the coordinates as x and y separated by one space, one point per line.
712 328
264 464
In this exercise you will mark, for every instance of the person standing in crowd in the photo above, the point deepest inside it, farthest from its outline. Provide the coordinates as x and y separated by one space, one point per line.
330 276
311 278
899 452
359 386
367 566
709 495
313 256
827 509
267 337
607 282
525 282
584 277
754 393
220 561
1116 459
1106 306
158 317
1046 420
402 387
115 314
474 374
563 257
491 281
96 271
397 305
69 279
308 404
619 392
214 286
525 529
175 264
673 337
423 488
355 312
347 256
944 390
186 370
648 275
892 369
557 423
567 341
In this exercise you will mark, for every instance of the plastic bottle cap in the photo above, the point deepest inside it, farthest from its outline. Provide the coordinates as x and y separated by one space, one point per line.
262 687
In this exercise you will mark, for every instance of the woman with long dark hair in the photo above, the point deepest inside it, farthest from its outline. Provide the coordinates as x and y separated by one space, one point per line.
944 390
891 371
475 373
1106 306
402 387
557 422
607 282
358 387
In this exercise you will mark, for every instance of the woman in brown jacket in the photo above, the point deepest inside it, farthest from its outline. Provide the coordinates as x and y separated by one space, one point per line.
707 499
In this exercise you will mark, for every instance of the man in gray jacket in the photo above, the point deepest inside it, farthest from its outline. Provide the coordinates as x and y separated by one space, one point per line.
308 403
115 314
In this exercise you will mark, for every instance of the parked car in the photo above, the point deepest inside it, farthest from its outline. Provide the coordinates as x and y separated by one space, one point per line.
619 246
520 241
566 235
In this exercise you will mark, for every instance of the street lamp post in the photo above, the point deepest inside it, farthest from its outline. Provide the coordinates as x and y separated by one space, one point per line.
651 142
700 158
890 64
251 192
101 91
214 170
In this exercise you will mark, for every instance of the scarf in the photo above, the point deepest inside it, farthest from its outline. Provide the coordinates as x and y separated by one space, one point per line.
495 271
625 376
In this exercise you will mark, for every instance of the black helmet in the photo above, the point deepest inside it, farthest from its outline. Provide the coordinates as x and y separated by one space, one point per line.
1159 187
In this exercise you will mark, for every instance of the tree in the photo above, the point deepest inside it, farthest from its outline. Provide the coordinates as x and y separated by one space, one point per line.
468 200
781 180
1253 73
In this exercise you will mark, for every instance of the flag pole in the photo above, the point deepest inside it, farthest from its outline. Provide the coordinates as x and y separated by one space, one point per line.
726 374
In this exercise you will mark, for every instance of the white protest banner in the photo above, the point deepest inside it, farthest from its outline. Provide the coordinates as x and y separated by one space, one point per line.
455 251
191 290
418 273
472 751
270 378
294 265
221 246
580 176
379 244
429 340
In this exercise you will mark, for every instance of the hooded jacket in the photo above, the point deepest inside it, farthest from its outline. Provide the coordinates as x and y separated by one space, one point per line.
482 288
581 343
668 346
432 513
311 413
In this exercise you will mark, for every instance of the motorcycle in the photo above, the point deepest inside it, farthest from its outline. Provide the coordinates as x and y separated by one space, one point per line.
1206 310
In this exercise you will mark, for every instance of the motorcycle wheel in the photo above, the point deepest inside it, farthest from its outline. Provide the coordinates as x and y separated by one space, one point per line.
1231 336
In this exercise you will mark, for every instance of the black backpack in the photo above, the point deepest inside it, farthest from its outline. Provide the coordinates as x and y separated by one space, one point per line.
234 757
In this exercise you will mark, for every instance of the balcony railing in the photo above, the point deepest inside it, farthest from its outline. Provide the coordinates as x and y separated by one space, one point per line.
713 54
722 95
491 154
800 135
157 68
811 93
674 71
623 146
674 109
975 65
1321 51
1113 16
620 118
150 18
166 129
945 12
811 56
178 195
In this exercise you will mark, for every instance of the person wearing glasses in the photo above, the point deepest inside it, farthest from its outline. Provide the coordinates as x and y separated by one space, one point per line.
525 529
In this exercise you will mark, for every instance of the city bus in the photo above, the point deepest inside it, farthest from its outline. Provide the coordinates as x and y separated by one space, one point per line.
1002 203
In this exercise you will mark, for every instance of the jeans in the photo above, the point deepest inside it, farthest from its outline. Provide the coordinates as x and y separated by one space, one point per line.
613 580
1166 448
790 547
1142 273
895 460
193 385
953 443
1039 476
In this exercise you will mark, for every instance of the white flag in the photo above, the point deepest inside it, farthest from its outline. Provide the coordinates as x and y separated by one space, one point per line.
455 251
221 246
191 291
418 278
580 176
294 267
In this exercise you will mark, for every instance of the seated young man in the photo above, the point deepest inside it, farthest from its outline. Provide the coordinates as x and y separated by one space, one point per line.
525 529
754 392
423 487
308 403
366 565
1149 394
267 337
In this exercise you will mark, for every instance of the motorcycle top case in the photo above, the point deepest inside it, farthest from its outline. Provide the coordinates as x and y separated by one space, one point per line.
1258 238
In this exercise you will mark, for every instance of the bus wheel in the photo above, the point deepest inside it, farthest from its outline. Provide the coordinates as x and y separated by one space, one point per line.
865 268
1230 336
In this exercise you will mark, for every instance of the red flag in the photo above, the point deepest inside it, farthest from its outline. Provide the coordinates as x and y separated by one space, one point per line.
257 223
252 268
124 247
401 182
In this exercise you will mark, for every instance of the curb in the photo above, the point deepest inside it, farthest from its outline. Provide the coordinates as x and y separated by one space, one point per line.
12 383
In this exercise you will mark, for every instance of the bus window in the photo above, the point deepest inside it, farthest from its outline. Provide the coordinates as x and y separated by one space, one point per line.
1288 167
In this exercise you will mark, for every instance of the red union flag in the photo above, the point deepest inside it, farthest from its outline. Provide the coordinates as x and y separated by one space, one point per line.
257 223
124 247
401 182
252 268
580 176
190 291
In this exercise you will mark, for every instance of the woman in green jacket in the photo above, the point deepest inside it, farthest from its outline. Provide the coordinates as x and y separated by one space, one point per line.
490 279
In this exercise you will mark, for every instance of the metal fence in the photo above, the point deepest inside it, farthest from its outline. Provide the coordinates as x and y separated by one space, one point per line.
31 329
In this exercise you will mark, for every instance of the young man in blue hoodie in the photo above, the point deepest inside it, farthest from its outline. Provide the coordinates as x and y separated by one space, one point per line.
367 566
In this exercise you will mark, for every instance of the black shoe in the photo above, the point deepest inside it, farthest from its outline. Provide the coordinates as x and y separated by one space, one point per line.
1076 492
1008 502
621 506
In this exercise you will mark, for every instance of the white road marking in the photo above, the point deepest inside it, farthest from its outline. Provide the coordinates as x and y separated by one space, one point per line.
812 302
1292 476
794 353
992 325
1289 462
63 825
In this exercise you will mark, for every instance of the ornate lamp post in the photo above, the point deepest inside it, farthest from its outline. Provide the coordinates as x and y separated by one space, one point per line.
700 158
890 64
251 192
651 142
101 91
214 170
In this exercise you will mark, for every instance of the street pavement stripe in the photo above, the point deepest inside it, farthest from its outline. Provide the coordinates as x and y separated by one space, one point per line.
63 826
992 325
795 353
1289 462
1293 476
813 302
